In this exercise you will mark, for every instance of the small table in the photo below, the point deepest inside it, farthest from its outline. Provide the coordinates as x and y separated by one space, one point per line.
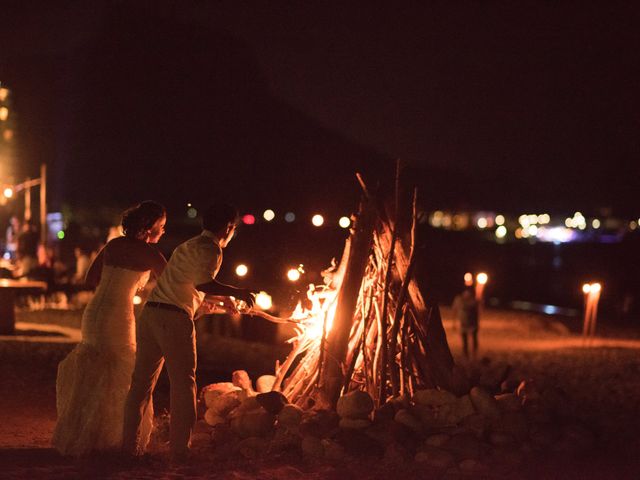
9 289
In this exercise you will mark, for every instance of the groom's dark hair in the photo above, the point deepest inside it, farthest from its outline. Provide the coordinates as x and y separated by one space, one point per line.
218 216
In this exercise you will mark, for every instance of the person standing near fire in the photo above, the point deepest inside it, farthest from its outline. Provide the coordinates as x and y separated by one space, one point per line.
166 330
466 309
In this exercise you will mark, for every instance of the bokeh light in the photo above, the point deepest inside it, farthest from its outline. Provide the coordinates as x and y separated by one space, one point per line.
264 301
293 274
482 278
269 215
289 217
242 270
344 222
248 219
317 220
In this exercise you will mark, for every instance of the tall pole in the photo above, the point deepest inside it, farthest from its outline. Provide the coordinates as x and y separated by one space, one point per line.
27 203
43 204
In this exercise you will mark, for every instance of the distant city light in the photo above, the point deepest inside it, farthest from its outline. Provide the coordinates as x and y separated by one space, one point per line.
192 212
4 113
264 301
482 278
595 223
4 92
468 279
499 219
269 215
523 220
436 218
137 300
317 220
289 217
293 274
60 235
344 222
248 219
532 230
501 231
544 218
482 222
242 270
8 192
533 219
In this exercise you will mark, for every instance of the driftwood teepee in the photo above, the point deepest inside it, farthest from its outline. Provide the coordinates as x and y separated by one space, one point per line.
374 329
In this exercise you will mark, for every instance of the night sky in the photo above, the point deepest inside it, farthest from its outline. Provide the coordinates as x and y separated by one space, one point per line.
503 105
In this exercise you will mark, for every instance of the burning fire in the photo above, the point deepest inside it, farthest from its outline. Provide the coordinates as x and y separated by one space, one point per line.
318 318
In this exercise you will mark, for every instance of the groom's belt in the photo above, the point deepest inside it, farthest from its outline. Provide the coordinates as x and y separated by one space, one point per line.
167 306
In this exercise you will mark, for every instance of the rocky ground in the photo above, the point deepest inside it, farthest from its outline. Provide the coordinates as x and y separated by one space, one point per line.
592 392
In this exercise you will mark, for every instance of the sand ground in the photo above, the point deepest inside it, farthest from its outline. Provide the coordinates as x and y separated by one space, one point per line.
600 380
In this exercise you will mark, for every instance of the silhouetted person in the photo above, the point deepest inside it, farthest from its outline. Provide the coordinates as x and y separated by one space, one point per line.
466 310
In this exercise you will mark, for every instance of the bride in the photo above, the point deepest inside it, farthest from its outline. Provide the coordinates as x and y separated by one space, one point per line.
93 380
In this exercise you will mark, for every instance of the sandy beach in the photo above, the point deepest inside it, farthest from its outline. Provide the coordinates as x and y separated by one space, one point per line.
596 387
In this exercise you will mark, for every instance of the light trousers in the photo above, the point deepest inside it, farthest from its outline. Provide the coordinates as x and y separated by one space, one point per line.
163 337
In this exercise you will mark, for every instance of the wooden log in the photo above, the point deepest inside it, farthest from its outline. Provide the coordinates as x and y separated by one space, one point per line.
337 339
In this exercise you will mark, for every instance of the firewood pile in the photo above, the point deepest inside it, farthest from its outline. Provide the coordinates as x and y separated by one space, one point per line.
370 372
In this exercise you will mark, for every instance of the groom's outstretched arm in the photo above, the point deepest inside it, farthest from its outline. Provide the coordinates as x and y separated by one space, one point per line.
214 287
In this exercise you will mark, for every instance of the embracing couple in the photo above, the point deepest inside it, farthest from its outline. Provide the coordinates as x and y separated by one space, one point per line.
104 386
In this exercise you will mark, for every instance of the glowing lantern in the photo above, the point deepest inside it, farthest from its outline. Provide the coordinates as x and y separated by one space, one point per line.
263 300
242 270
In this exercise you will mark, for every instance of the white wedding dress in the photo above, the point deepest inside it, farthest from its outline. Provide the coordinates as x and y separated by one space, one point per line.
93 380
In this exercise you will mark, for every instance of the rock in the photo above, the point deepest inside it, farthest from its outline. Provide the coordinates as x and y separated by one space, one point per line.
435 457
312 447
358 443
215 390
265 383
254 423
319 423
513 424
464 407
212 418
223 404
464 445
404 417
240 378
484 402
333 451
385 413
508 402
290 416
252 447
356 404
437 440
285 440
354 423
433 397
476 424
272 402
246 405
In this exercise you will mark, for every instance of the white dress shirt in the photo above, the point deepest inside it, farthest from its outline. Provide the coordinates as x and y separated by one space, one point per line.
192 263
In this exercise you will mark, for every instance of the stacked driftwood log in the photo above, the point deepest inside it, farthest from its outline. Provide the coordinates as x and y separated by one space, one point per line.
384 338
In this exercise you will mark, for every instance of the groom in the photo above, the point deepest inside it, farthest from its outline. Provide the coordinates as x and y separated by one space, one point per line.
165 330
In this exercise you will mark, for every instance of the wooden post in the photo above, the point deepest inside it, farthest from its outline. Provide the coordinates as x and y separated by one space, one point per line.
334 368
43 204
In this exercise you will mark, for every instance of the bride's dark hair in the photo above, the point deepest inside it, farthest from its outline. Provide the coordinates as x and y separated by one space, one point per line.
140 218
